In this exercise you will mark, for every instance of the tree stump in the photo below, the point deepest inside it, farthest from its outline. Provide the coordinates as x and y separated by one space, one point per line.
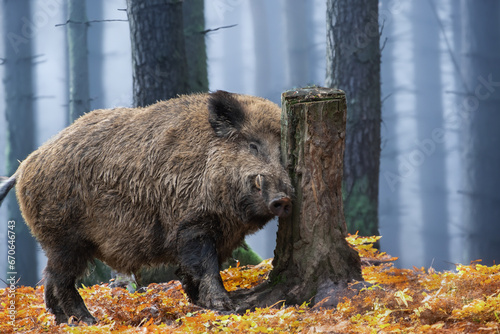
313 262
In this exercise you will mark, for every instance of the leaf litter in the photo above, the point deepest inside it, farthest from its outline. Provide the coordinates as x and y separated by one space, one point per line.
418 300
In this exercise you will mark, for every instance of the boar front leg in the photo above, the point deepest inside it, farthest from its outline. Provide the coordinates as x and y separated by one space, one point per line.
199 265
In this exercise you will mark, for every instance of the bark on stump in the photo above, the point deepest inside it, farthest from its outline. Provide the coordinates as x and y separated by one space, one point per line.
313 261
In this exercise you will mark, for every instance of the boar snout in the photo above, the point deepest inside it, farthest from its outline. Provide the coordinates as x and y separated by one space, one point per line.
281 207
274 193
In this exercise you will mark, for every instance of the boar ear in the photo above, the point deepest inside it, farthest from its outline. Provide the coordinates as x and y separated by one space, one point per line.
225 113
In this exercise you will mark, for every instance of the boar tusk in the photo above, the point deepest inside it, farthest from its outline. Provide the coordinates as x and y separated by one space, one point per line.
258 182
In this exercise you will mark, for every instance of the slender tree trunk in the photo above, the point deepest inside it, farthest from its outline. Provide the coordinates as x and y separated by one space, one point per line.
261 46
232 44
297 19
458 239
277 53
97 93
93 79
79 98
196 50
456 18
158 50
430 143
353 65
312 258
18 83
389 183
480 111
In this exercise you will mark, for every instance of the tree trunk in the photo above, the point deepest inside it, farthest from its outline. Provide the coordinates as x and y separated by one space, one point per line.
95 11
353 65
158 50
298 23
480 112
258 9
430 144
18 83
196 50
389 183
79 98
93 79
312 258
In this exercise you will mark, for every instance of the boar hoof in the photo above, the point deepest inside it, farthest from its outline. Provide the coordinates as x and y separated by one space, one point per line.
61 318
74 322
89 320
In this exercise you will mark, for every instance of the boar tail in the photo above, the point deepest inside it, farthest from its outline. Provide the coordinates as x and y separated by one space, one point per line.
6 184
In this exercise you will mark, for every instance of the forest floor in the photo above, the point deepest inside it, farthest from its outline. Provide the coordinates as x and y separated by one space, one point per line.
418 300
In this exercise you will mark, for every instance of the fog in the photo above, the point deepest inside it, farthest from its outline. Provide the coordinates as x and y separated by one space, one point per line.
276 45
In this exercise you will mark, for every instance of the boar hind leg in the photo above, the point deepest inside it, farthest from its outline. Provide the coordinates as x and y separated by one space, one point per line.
199 267
61 295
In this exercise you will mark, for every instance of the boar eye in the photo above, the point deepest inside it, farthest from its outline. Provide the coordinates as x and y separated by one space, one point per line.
254 147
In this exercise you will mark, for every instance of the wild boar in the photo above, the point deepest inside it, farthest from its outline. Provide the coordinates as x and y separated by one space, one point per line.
181 181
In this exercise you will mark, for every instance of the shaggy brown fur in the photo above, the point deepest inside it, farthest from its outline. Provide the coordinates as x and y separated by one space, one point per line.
181 181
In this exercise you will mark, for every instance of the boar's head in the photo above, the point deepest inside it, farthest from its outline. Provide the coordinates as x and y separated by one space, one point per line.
248 132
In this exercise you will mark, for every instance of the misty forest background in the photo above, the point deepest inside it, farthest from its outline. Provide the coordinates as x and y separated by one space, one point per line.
438 201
